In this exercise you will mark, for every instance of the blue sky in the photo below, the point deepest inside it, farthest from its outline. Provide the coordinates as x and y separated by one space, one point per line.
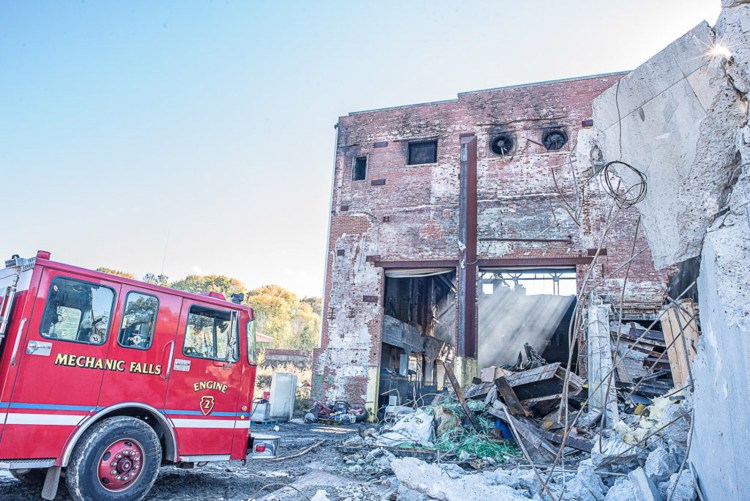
197 137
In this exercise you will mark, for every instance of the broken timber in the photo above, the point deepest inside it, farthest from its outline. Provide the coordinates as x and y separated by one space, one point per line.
534 385
510 397
537 446
679 322
460 395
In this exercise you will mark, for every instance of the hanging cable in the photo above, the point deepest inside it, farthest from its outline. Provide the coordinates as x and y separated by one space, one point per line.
635 193
630 196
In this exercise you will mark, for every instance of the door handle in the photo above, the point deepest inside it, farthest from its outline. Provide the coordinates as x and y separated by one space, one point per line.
18 341
168 370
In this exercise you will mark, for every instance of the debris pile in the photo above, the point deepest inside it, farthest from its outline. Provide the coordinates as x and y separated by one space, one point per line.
643 460
642 364
531 432
340 412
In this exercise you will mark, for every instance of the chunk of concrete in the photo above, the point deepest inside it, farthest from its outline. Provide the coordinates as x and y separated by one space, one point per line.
660 465
645 490
586 485
523 481
678 116
623 490
733 3
681 487
732 34
438 483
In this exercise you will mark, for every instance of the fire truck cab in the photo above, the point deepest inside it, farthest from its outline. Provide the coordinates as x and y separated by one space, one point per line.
104 379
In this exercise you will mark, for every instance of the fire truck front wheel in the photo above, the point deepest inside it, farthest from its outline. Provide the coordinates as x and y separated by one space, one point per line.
117 459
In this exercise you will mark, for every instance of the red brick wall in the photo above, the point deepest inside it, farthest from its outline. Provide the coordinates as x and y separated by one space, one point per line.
414 215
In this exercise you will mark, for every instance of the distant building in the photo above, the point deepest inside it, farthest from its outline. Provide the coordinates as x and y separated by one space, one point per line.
461 230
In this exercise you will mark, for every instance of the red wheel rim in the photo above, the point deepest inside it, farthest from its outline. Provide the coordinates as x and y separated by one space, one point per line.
120 465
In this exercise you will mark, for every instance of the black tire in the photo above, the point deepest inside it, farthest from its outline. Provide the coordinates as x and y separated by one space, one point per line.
82 477
30 476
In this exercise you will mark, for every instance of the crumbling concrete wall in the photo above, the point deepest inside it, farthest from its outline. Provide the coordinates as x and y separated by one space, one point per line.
534 205
682 121
674 119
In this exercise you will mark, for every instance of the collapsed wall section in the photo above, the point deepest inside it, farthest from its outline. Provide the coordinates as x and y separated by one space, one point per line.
681 120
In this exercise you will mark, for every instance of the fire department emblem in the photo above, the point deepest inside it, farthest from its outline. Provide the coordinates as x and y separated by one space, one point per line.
207 404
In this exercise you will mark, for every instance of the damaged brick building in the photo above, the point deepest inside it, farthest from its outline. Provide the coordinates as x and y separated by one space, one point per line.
462 230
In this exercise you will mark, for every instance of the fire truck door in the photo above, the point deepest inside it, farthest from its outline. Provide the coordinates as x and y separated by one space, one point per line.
143 336
61 362
204 381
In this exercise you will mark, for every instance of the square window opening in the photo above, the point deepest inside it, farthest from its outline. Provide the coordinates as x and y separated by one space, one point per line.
360 169
423 152
211 334
138 321
77 311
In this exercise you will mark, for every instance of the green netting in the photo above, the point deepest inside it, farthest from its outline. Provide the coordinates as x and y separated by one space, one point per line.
453 437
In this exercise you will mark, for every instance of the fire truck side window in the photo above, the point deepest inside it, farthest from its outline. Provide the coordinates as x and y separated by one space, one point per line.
252 350
139 321
211 334
77 311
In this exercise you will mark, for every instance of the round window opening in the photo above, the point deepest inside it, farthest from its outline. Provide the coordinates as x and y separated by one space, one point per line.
502 144
554 139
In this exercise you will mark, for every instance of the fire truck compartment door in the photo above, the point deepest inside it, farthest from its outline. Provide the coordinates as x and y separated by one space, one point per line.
205 381
62 359
146 328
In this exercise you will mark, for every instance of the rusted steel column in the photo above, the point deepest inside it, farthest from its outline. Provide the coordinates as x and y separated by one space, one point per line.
467 338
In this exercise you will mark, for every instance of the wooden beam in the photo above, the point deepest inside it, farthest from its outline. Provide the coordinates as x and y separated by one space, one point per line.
460 395
510 398
575 443
533 375
681 335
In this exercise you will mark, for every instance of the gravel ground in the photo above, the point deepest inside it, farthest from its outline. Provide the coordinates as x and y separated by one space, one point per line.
323 468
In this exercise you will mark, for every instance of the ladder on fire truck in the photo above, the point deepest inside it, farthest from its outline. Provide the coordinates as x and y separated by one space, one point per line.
8 286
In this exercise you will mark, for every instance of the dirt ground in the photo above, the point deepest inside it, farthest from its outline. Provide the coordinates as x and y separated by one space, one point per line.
324 468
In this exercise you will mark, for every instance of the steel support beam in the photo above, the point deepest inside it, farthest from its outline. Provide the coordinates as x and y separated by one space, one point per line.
467 337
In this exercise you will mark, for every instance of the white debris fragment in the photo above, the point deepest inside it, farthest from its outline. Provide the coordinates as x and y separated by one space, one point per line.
414 428
439 482
320 495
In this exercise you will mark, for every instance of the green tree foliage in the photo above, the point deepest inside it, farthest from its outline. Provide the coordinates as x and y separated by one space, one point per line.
209 283
316 303
153 279
119 273
291 322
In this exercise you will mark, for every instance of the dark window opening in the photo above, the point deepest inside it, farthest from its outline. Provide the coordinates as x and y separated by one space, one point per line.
423 152
418 332
360 169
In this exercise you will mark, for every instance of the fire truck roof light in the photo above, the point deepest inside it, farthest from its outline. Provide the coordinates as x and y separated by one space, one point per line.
217 295
43 254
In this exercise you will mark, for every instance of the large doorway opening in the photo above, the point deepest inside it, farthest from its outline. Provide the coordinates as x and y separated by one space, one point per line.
419 330
531 306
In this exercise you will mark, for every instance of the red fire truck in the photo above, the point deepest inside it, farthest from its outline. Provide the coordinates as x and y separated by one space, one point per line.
104 379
